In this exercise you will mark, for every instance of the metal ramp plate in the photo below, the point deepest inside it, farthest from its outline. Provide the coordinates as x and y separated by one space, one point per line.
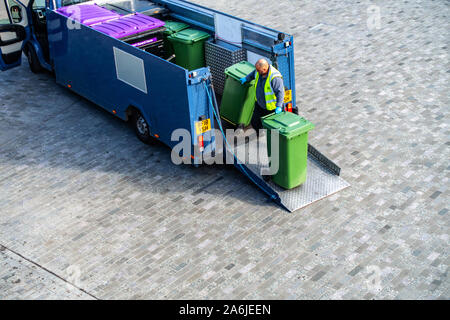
321 181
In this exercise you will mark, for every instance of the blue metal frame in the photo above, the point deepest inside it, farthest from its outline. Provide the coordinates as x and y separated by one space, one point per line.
39 52
33 40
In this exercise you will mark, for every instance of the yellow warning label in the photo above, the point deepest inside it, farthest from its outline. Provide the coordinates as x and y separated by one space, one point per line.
203 126
288 96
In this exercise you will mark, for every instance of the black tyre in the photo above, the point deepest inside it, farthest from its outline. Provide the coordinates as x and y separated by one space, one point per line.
142 128
33 60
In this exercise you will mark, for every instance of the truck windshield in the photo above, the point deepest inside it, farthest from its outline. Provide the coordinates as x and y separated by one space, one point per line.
38 4
66 3
4 18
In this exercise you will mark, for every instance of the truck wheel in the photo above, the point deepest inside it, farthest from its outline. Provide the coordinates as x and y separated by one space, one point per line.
142 128
33 60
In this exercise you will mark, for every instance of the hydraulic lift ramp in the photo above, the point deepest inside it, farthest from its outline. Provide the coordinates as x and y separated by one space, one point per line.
322 181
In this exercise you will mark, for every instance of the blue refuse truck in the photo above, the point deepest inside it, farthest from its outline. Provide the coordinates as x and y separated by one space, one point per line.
147 88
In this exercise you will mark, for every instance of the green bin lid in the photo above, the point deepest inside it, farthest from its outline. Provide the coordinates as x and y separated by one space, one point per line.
288 124
189 36
174 27
240 70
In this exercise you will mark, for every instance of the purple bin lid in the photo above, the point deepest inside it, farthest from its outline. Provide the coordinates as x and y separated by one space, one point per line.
128 25
88 14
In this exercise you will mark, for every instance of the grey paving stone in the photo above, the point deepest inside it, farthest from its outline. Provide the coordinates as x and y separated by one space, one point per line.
78 192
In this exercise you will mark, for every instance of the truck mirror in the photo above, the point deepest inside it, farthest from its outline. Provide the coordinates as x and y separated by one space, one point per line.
16 14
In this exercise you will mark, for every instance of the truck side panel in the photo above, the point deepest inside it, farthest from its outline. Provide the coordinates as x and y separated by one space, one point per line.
116 75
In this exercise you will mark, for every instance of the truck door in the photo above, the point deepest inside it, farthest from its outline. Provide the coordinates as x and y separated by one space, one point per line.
14 31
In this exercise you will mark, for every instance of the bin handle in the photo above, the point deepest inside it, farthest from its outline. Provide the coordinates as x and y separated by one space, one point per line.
171 58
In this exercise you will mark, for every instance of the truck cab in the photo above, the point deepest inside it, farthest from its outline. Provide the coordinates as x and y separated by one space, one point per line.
23 24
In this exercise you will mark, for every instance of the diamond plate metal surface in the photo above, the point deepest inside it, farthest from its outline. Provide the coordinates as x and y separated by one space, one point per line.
320 182
219 58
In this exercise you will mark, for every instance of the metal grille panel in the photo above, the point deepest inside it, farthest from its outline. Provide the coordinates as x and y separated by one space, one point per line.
220 56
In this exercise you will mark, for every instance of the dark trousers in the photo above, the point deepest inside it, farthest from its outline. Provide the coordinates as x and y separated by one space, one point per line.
257 115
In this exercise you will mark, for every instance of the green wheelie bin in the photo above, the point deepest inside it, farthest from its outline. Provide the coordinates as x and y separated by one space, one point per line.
293 147
238 100
189 47
172 27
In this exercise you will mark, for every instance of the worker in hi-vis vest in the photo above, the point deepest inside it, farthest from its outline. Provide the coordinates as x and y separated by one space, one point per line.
269 87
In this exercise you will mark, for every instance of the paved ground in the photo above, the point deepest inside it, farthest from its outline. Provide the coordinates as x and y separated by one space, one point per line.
86 211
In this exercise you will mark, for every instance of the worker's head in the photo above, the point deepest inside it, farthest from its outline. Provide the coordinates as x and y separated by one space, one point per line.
262 66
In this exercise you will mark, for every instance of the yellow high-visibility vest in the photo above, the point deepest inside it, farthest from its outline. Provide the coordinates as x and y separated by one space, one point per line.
271 98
